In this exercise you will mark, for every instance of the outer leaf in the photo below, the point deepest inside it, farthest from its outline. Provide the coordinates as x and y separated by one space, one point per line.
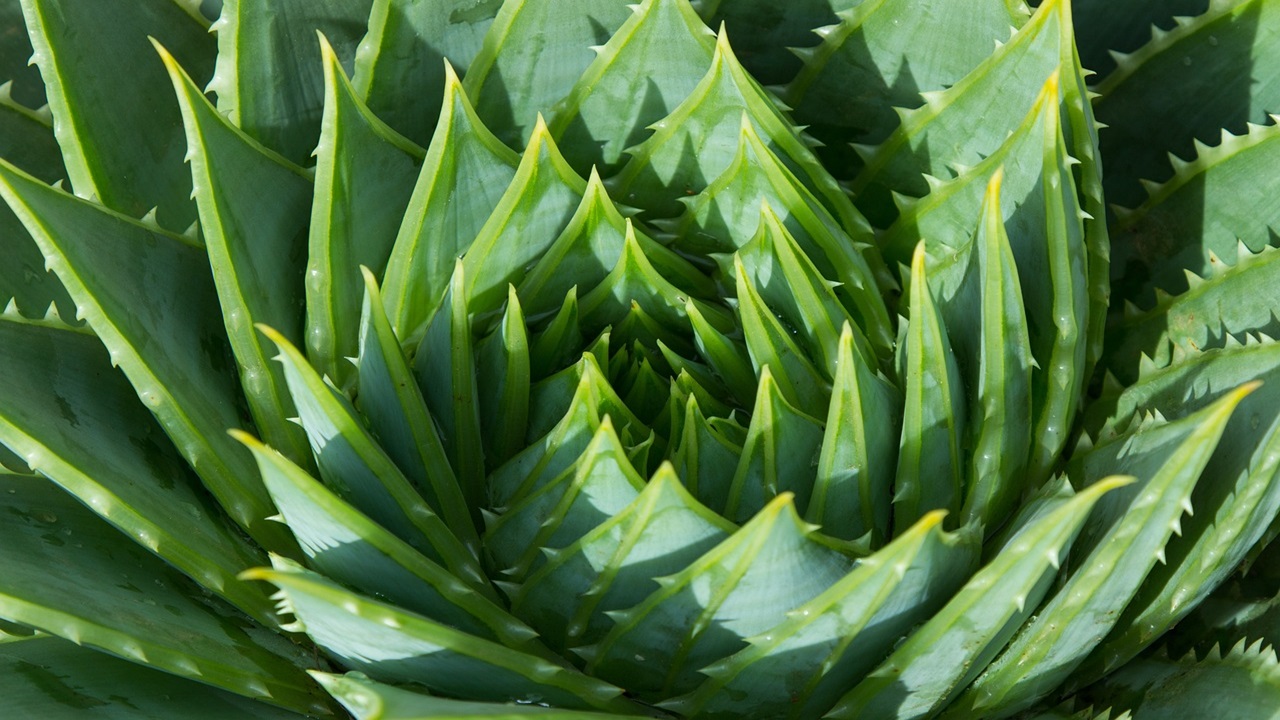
102 446
70 574
364 174
52 679
398 68
614 566
369 700
354 466
269 79
26 140
174 353
704 612
647 68
392 402
392 645
1105 27
465 174
253 209
944 655
532 55
27 89
800 667
349 548
1086 606
121 139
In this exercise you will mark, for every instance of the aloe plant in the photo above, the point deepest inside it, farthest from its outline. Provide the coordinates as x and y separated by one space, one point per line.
466 358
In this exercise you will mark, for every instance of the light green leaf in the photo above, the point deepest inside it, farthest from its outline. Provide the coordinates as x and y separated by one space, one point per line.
101 445
354 466
853 486
370 700
1119 548
269 78
53 679
647 68
392 645
503 382
172 348
800 667
937 661
347 547
253 211
465 174
532 55
930 472
400 65
364 174
703 613
119 129
778 455
614 566
704 459
392 402
70 574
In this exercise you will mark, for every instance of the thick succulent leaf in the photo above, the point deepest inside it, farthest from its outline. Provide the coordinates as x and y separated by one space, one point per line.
392 402
1119 548
370 700
269 78
800 667
392 645
353 465
771 345
1104 27
26 87
614 566
1232 300
703 613
172 347
78 421
446 372
696 143
465 174
647 68
253 211
1207 70
853 487
930 468
400 68
532 55
1000 413
119 129
705 459
953 128
1240 684
1043 221
532 212
599 484
53 679
364 174
727 356
766 33
727 215
778 455
26 140
70 574
948 651
590 247
1196 220
503 380
791 284
347 547
874 46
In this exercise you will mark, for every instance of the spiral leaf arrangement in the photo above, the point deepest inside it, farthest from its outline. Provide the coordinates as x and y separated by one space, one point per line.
584 359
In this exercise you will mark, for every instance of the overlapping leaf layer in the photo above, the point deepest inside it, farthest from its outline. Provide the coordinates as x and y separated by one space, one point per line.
609 359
